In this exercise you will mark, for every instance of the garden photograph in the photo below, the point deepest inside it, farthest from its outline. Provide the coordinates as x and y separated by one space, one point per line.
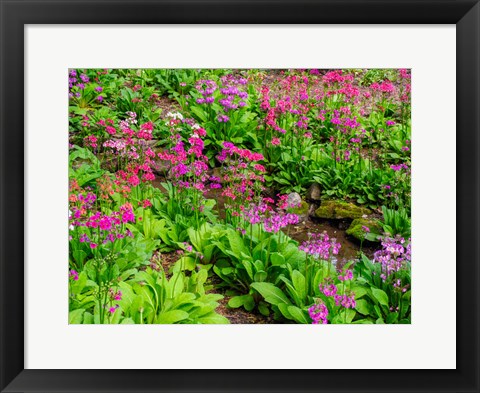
239 196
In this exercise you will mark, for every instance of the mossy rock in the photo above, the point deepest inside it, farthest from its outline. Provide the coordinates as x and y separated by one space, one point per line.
355 229
300 210
331 209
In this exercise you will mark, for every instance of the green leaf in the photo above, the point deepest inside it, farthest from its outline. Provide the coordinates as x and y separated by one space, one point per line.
75 317
79 256
363 321
199 113
277 259
239 301
363 307
392 317
87 318
299 284
263 308
381 296
260 276
127 321
298 315
213 318
173 316
284 310
359 291
271 293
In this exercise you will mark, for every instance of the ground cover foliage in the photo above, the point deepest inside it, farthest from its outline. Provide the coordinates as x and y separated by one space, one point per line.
184 187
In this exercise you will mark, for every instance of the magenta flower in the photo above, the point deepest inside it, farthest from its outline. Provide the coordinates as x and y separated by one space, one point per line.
318 313
73 274
320 246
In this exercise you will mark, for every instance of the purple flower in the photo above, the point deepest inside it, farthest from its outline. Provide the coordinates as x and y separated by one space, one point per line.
112 310
223 118
393 256
318 313
84 238
84 78
348 276
99 89
320 246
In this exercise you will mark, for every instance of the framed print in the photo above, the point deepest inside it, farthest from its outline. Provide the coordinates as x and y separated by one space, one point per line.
244 181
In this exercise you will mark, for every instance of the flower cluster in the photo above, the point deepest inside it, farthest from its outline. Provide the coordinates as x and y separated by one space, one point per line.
242 175
73 274
78 83
104 228
318 313
320 246
207 89
232 96
188 163
278 220
395 255
399 167
346 300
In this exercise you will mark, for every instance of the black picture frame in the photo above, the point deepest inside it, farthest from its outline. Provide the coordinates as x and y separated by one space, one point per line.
15 14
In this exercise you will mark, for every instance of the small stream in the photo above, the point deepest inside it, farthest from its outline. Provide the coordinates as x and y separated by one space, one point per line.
349 249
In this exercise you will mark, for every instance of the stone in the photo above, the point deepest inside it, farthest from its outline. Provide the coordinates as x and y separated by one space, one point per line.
314 193
301 210
332 209
294 199
355 230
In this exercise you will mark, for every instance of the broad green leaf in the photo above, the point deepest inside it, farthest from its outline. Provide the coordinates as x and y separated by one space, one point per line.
212 319
298 315
127 321
363 322
75 317
263 308
271 293
173 316
277 259
239 301
199 113
298 281
260 276
363 307
359 291
381 296
87 318
284 310
392 318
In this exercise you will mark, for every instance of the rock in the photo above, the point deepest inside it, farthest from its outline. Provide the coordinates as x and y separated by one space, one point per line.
294 199
311 210
161 167
302 210
356 229
314 193
331 209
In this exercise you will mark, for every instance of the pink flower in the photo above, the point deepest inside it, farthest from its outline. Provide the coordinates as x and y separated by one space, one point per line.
73 274
275 141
